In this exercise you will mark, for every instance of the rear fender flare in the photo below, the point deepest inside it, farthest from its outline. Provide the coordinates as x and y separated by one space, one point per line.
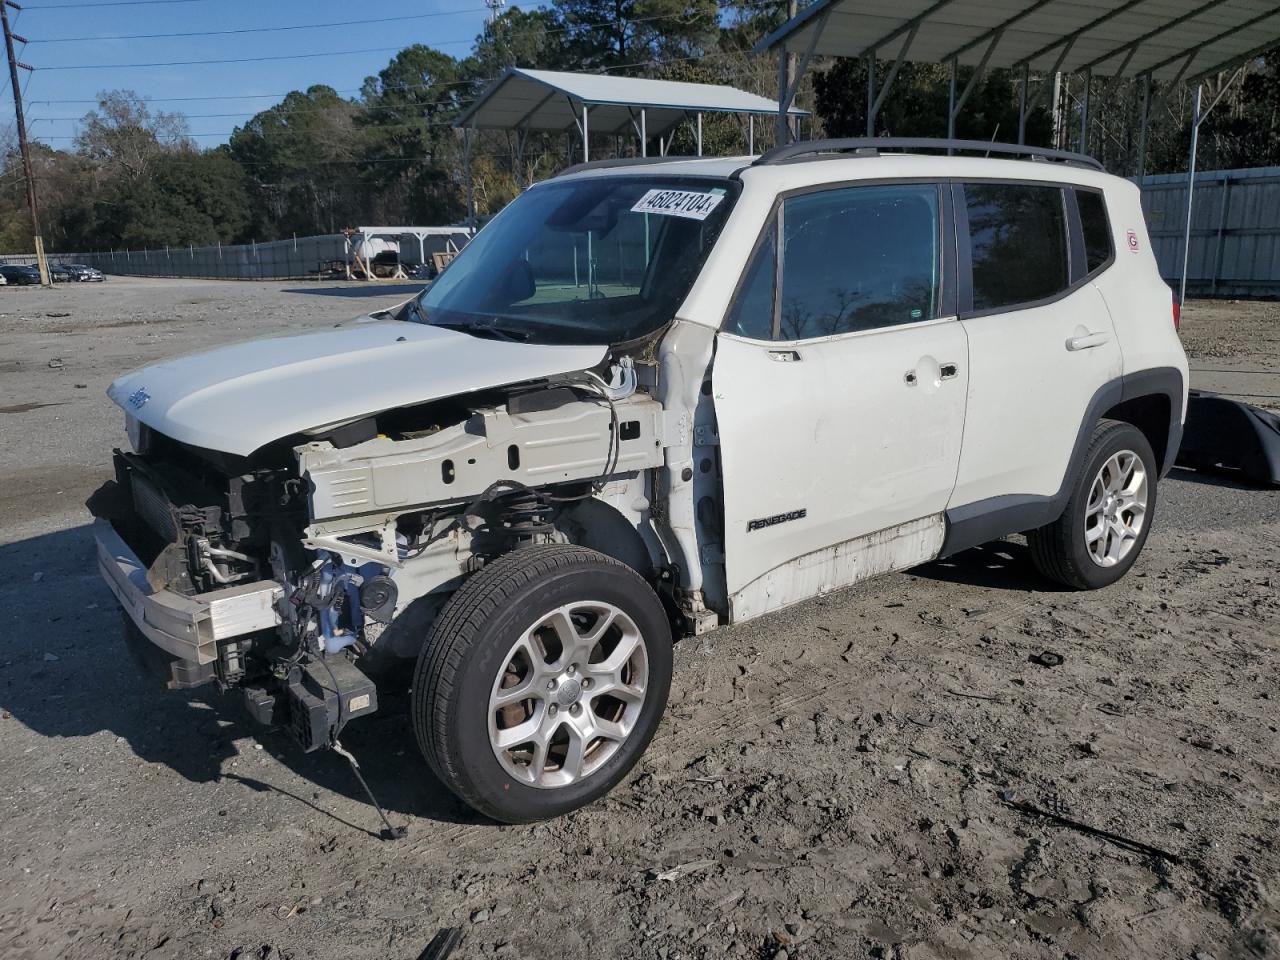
986 520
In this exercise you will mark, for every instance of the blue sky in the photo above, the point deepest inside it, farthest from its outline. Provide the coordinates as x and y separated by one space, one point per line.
62 72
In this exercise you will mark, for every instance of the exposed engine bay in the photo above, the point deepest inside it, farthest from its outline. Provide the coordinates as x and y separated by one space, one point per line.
354 535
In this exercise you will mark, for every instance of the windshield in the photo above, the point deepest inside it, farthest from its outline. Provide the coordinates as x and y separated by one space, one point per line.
600 260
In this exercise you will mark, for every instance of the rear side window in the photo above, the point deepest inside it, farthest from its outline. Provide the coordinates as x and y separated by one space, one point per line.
859 258
1017 242
1097 231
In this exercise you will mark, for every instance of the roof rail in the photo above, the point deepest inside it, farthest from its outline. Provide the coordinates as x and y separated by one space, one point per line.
623 162
872 147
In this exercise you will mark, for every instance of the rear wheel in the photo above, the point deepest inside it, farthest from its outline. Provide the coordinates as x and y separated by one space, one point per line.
543 681
1106 522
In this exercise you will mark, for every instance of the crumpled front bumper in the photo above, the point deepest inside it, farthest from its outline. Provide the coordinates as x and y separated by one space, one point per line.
189 629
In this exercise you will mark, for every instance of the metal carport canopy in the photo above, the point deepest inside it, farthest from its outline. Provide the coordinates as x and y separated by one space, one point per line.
1169 41
554 101
1165 39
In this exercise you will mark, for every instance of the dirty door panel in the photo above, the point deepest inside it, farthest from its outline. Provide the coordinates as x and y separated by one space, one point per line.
845 416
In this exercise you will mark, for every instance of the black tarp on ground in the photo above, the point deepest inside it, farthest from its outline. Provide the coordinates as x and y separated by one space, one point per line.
1228 435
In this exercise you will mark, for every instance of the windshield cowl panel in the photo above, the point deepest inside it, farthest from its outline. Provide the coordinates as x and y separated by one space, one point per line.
594 260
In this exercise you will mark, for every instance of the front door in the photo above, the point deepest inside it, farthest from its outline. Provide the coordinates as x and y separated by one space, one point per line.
839 383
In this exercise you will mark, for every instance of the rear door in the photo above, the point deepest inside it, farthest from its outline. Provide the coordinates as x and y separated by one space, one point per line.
839 383
1041 343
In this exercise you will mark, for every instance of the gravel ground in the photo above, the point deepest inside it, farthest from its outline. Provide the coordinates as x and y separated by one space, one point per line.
827 783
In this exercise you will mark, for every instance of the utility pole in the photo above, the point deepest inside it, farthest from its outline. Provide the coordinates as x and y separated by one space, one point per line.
14 64
786 80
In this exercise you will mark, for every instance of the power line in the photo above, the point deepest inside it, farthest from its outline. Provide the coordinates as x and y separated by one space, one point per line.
196 63
297 110
106 3
341 53
241 30
269 96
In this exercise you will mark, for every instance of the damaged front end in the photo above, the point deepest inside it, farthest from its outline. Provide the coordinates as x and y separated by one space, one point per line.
303 571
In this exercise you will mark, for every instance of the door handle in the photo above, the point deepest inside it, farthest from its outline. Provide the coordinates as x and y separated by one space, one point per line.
948 371
1088 341
784 356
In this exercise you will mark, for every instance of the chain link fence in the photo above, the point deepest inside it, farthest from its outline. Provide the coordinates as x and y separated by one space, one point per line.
319 257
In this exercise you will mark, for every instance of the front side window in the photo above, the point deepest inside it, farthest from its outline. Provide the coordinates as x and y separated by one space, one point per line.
1017 242
752 312
1097 231
598 260
859 258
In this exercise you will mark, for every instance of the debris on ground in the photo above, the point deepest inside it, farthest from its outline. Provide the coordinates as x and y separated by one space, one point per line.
1047 658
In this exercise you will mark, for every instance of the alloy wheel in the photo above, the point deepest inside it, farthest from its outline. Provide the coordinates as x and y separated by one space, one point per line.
568 695
1117 509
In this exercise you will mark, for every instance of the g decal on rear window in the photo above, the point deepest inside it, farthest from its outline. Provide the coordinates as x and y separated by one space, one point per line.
679 203
776 519
1132 237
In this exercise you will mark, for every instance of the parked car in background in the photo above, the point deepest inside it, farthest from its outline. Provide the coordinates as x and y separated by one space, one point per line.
3 281
20 274
59 273
83 273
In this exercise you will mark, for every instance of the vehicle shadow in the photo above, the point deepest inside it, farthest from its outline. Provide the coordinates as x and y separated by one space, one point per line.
66 672
1227 479
999 565
358 289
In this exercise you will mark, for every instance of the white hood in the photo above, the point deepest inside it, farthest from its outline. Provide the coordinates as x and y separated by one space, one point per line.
238 398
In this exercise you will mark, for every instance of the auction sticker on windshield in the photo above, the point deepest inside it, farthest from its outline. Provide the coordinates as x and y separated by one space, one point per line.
690 204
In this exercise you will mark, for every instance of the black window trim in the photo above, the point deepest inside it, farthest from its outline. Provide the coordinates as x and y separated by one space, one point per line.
1079 222
948 274
740 288
1075 254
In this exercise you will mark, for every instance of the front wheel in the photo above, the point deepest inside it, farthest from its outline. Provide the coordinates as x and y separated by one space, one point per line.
1108 517
542 682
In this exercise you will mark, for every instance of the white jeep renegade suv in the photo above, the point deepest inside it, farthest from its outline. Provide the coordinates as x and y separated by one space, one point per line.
649 399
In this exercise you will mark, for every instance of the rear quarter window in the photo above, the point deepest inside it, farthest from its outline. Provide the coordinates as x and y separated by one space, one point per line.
1098 245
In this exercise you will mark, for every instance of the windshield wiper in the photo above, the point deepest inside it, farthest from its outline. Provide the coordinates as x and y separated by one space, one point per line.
415 308
491 329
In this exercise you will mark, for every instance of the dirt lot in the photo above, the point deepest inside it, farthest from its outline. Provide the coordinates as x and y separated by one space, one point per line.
827 783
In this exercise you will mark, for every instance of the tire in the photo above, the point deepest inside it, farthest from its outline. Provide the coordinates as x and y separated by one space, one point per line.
1068 550
496 639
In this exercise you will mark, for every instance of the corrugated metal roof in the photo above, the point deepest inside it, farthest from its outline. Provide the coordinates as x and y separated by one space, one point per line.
1169 39
552 100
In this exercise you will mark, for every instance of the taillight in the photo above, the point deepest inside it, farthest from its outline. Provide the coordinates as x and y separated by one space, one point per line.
1177 315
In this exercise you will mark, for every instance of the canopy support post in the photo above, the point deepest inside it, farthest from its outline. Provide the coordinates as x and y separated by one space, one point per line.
751 135
874 105
1191 186
956 105
1022 103
871 94
586 152
644 134
787 91
522 138
951 104
1034 99
1084 111
1142 128
699 126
